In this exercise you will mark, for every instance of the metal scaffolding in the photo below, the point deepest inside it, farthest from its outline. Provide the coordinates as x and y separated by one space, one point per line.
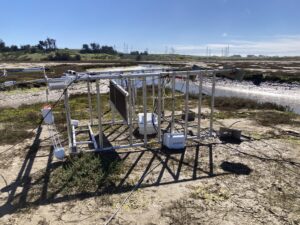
130 82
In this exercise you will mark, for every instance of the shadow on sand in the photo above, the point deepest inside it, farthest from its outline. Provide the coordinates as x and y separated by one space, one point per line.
170 163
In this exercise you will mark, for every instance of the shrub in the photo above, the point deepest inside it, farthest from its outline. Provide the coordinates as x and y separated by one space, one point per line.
87 173
64 56
273 118
234 103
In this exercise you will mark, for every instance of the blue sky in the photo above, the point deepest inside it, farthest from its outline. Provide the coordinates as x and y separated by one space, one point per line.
270 27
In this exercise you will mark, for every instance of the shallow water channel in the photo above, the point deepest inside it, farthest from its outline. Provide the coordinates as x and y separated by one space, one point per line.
285 95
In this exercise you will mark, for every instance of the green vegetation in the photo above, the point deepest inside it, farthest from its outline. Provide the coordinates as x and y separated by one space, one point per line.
64 56
47 45
275 76
29 116
57 55
270 118
12 135
234 103
47 51
87 173
21 56
72 55
16 123
265 114
90 174
26 115
210 193
95 48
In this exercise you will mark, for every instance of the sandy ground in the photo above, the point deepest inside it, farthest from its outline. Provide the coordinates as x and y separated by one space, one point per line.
253 182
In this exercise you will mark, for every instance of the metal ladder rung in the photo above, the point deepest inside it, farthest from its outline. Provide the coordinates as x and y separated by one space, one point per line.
84 142
82 130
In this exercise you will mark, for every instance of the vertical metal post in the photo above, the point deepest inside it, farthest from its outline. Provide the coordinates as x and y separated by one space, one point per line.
130 110
112 114
46 79
47 94
173 104
112 108
99 111
68 117
153 92
90 102
212 104
134 94
199 104
145 110
163 97
187 84
159 109
211 160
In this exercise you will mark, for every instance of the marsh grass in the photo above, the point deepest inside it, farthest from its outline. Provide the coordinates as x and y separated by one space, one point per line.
235 103
86 173
269 118
15 122
265 114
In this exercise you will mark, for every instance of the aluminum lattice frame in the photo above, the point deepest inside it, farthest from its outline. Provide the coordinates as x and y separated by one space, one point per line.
144 76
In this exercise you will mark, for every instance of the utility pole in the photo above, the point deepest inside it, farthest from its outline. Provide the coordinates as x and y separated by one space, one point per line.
228 51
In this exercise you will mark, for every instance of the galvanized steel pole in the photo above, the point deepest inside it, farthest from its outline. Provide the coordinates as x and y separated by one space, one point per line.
99 110
212 103
199 104
159 109
90 102
187 83
145 110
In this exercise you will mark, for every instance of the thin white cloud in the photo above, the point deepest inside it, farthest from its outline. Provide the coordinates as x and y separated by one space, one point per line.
281 45
224 34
